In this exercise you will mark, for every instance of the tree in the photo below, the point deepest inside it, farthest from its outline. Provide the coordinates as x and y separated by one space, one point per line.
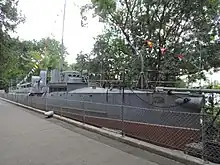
182 27
51 50
110 56
72 66
82 61
9 19
29 57
18 58
43 55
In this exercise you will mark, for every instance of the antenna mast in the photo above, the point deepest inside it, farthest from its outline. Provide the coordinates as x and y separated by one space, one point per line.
62 42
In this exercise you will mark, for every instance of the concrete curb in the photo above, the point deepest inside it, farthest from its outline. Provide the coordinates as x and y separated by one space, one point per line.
176 155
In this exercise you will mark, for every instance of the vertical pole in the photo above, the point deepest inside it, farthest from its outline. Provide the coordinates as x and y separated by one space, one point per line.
203 131
67 98
61 111
31 101
62 42
88 73
101 76
122 105
84 111
200 65
10 85
46 102
142 71
204 136
27 100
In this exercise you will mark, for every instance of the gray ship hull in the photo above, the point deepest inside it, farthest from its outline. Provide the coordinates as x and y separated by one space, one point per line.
139 106
167 126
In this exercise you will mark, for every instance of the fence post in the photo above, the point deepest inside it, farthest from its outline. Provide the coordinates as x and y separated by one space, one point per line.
31 98
204 137
122 120
27 103
61 111
30 101
66 104
46 103
84 111
122 106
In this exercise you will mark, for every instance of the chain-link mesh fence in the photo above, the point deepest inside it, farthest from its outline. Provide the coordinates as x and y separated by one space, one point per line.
211 139
195 134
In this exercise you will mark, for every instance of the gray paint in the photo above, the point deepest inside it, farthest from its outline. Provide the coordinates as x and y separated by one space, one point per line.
147 112
100 108
153 107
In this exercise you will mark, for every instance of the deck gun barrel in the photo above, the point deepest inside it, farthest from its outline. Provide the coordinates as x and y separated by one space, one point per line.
188 90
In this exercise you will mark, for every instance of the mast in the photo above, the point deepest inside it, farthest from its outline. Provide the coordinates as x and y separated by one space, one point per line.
62 42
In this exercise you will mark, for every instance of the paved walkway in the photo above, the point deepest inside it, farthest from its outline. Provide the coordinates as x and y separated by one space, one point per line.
27 138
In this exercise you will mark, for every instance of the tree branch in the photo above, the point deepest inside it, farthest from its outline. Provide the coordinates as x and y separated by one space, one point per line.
130 10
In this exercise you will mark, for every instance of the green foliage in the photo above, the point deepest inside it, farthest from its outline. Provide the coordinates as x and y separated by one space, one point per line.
216 87
72 66
212 106
19 57
26 54
82 64
46 52
182 27
180 84
9 19
52 50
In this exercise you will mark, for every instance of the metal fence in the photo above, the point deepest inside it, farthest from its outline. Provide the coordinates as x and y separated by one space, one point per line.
195 134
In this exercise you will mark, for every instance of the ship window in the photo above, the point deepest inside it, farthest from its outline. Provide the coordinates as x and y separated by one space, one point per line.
77 75
70 75
74 75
